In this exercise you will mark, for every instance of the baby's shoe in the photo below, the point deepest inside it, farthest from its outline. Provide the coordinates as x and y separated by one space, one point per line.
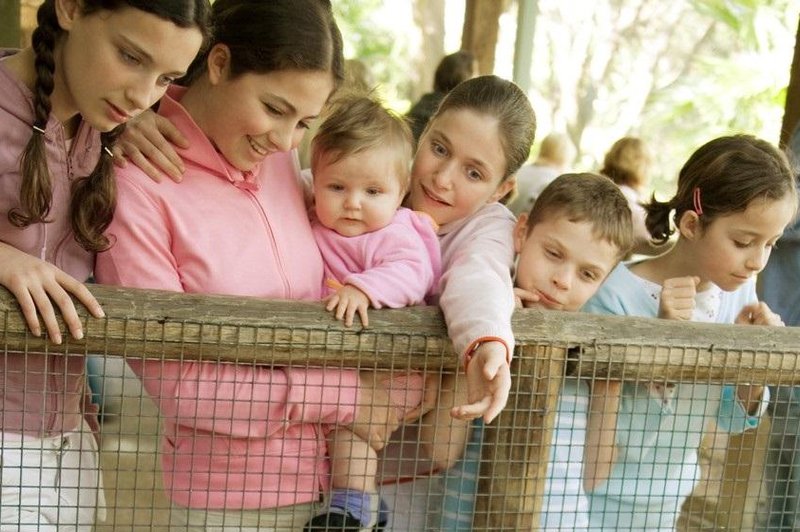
351 511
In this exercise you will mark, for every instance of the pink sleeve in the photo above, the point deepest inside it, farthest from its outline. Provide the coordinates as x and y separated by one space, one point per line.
477 296
247 401
240 400
403 270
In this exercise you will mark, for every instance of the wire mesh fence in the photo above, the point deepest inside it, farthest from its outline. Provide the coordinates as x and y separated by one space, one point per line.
222 423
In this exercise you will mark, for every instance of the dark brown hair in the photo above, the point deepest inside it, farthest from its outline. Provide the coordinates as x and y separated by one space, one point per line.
725 175
452 70
93 197
587 197
504 101
273 35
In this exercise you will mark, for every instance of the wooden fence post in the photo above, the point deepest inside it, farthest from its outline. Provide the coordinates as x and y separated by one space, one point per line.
516 446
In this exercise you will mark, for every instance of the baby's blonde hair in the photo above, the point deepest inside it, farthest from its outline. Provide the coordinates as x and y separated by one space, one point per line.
357 122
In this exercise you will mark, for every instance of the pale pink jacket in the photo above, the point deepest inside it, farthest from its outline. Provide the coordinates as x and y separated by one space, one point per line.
396 266
476 292
236 436
477 300
42 395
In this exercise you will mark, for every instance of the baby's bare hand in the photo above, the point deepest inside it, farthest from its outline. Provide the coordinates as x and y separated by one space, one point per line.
346 303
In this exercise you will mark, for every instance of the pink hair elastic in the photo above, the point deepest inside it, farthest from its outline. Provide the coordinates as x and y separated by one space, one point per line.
698 207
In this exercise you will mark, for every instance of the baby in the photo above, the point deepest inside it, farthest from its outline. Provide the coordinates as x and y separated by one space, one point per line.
377 254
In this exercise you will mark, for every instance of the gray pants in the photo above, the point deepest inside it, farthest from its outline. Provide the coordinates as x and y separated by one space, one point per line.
285 519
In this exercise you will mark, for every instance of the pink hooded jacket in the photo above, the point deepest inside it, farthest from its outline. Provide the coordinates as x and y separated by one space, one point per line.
236 436
43 395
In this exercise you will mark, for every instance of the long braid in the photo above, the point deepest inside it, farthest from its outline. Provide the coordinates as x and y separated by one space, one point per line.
36 192
94 198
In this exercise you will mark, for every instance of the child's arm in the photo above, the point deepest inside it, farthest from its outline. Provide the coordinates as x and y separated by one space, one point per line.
751 395
403 265
37 284
488 382
600 450
477 300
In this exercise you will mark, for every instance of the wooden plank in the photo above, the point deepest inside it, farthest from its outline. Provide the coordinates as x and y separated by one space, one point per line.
172 325
516 446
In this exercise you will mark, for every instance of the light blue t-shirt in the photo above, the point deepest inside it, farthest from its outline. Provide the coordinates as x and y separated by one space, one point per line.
657 465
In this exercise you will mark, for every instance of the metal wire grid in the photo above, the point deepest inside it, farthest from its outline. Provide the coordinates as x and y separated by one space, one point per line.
739 472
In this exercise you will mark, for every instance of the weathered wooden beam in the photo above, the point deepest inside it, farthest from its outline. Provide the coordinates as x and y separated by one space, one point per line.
172 325
516 446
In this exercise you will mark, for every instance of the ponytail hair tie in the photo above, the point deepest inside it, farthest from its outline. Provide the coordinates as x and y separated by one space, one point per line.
698 207
38 129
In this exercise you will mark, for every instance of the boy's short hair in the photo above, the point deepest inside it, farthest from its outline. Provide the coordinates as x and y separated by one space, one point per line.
587 197
357 122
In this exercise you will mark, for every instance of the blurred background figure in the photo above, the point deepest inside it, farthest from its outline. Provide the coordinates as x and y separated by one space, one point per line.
357 76
779 287
628 164
556 155
452 70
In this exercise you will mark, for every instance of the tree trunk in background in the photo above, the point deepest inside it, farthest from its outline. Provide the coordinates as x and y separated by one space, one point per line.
481 25
429 18
9 24
28 16
791 115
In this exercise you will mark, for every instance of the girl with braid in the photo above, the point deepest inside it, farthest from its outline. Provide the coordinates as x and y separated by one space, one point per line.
92 65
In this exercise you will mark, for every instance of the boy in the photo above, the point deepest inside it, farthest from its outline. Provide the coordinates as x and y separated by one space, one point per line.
577 231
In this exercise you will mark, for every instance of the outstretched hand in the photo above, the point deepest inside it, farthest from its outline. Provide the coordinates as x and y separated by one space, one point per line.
488 383
148 142
37 285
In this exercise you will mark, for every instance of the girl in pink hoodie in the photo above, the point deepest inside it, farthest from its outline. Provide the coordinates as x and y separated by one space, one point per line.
465 163
92 65
242 445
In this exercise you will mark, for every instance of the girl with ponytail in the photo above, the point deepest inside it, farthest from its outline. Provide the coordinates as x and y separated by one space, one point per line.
92 65
735 196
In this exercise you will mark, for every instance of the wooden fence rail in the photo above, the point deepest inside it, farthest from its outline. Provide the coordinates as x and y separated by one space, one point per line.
247 330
